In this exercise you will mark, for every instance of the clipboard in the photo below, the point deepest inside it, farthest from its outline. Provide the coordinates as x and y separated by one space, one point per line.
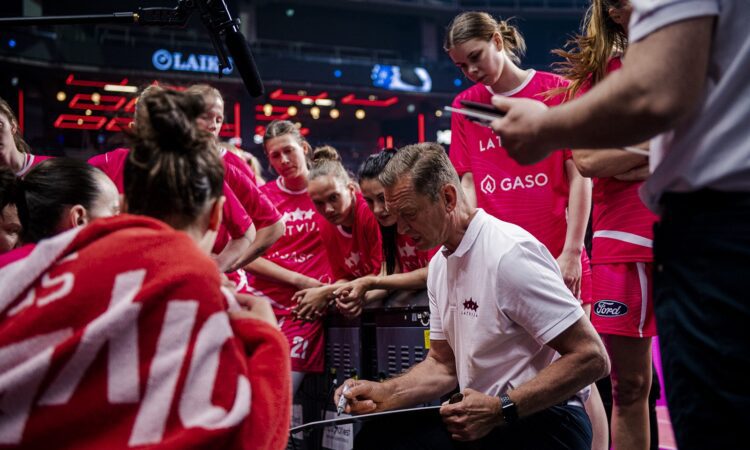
344 420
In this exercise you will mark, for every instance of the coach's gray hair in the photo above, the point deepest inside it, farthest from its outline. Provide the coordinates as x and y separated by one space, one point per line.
428 166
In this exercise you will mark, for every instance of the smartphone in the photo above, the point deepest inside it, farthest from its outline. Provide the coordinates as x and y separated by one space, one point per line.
482 107
480 113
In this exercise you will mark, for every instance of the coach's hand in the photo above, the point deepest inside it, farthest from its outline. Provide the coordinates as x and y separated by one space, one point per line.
364 397
520 129
473 417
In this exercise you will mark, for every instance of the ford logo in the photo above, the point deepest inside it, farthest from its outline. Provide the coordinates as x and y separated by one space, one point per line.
610 308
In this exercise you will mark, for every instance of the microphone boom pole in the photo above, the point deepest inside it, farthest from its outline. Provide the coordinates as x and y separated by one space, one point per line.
214 15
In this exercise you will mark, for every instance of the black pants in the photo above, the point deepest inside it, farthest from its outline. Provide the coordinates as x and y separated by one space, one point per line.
702 306
559 427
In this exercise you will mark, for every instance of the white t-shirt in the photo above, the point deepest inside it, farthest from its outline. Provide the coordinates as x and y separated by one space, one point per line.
497 300
712 148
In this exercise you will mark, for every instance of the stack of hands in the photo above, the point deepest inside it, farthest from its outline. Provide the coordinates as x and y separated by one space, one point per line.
313 300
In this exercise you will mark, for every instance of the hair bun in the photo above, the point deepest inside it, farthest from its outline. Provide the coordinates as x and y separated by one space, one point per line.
325 153
171 119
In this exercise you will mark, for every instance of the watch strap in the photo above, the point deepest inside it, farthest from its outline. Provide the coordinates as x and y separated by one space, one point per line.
508 409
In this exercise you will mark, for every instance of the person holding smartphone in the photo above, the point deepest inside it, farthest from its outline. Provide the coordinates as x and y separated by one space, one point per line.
550 199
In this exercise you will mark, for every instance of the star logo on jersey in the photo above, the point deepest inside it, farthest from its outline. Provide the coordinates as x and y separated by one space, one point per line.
407 250
488 185
353 260
297 215
470 307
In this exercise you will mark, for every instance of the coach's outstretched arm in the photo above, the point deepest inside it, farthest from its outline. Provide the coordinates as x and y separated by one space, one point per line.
583 360
426 381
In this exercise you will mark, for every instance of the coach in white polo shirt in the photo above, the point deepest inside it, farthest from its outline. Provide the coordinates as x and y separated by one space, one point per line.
503 326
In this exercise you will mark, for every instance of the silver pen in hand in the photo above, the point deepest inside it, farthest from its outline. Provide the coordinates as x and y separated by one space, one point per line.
342 400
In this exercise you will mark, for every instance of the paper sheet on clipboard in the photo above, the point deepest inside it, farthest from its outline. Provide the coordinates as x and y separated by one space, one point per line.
343 420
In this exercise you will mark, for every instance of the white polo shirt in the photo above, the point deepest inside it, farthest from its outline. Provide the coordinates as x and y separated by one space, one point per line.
710 149
497 300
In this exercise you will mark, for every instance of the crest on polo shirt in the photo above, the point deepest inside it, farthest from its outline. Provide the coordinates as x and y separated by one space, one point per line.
470 308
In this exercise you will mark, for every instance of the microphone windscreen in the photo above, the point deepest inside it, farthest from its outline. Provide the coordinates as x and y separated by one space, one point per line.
243 60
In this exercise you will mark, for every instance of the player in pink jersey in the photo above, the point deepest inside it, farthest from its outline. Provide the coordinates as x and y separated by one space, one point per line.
14 152
550 199
182 372
621 254
55 196
235 231
267 223
298 260
404 264
240 239
349 230
10 225
212 119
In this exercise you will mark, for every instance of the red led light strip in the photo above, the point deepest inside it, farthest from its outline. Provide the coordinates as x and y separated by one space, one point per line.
106 102
351 100
266 118
420 128
71 81
87 122
237 119
279 94
227 130
119 124
130 107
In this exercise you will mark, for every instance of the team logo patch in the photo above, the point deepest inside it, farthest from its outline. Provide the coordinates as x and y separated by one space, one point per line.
470 308
610 308
470 304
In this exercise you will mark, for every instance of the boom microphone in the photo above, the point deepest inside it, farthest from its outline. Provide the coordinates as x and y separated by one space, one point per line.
220 24
243 59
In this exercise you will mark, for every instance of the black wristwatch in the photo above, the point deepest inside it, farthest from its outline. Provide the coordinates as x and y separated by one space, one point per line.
508 409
